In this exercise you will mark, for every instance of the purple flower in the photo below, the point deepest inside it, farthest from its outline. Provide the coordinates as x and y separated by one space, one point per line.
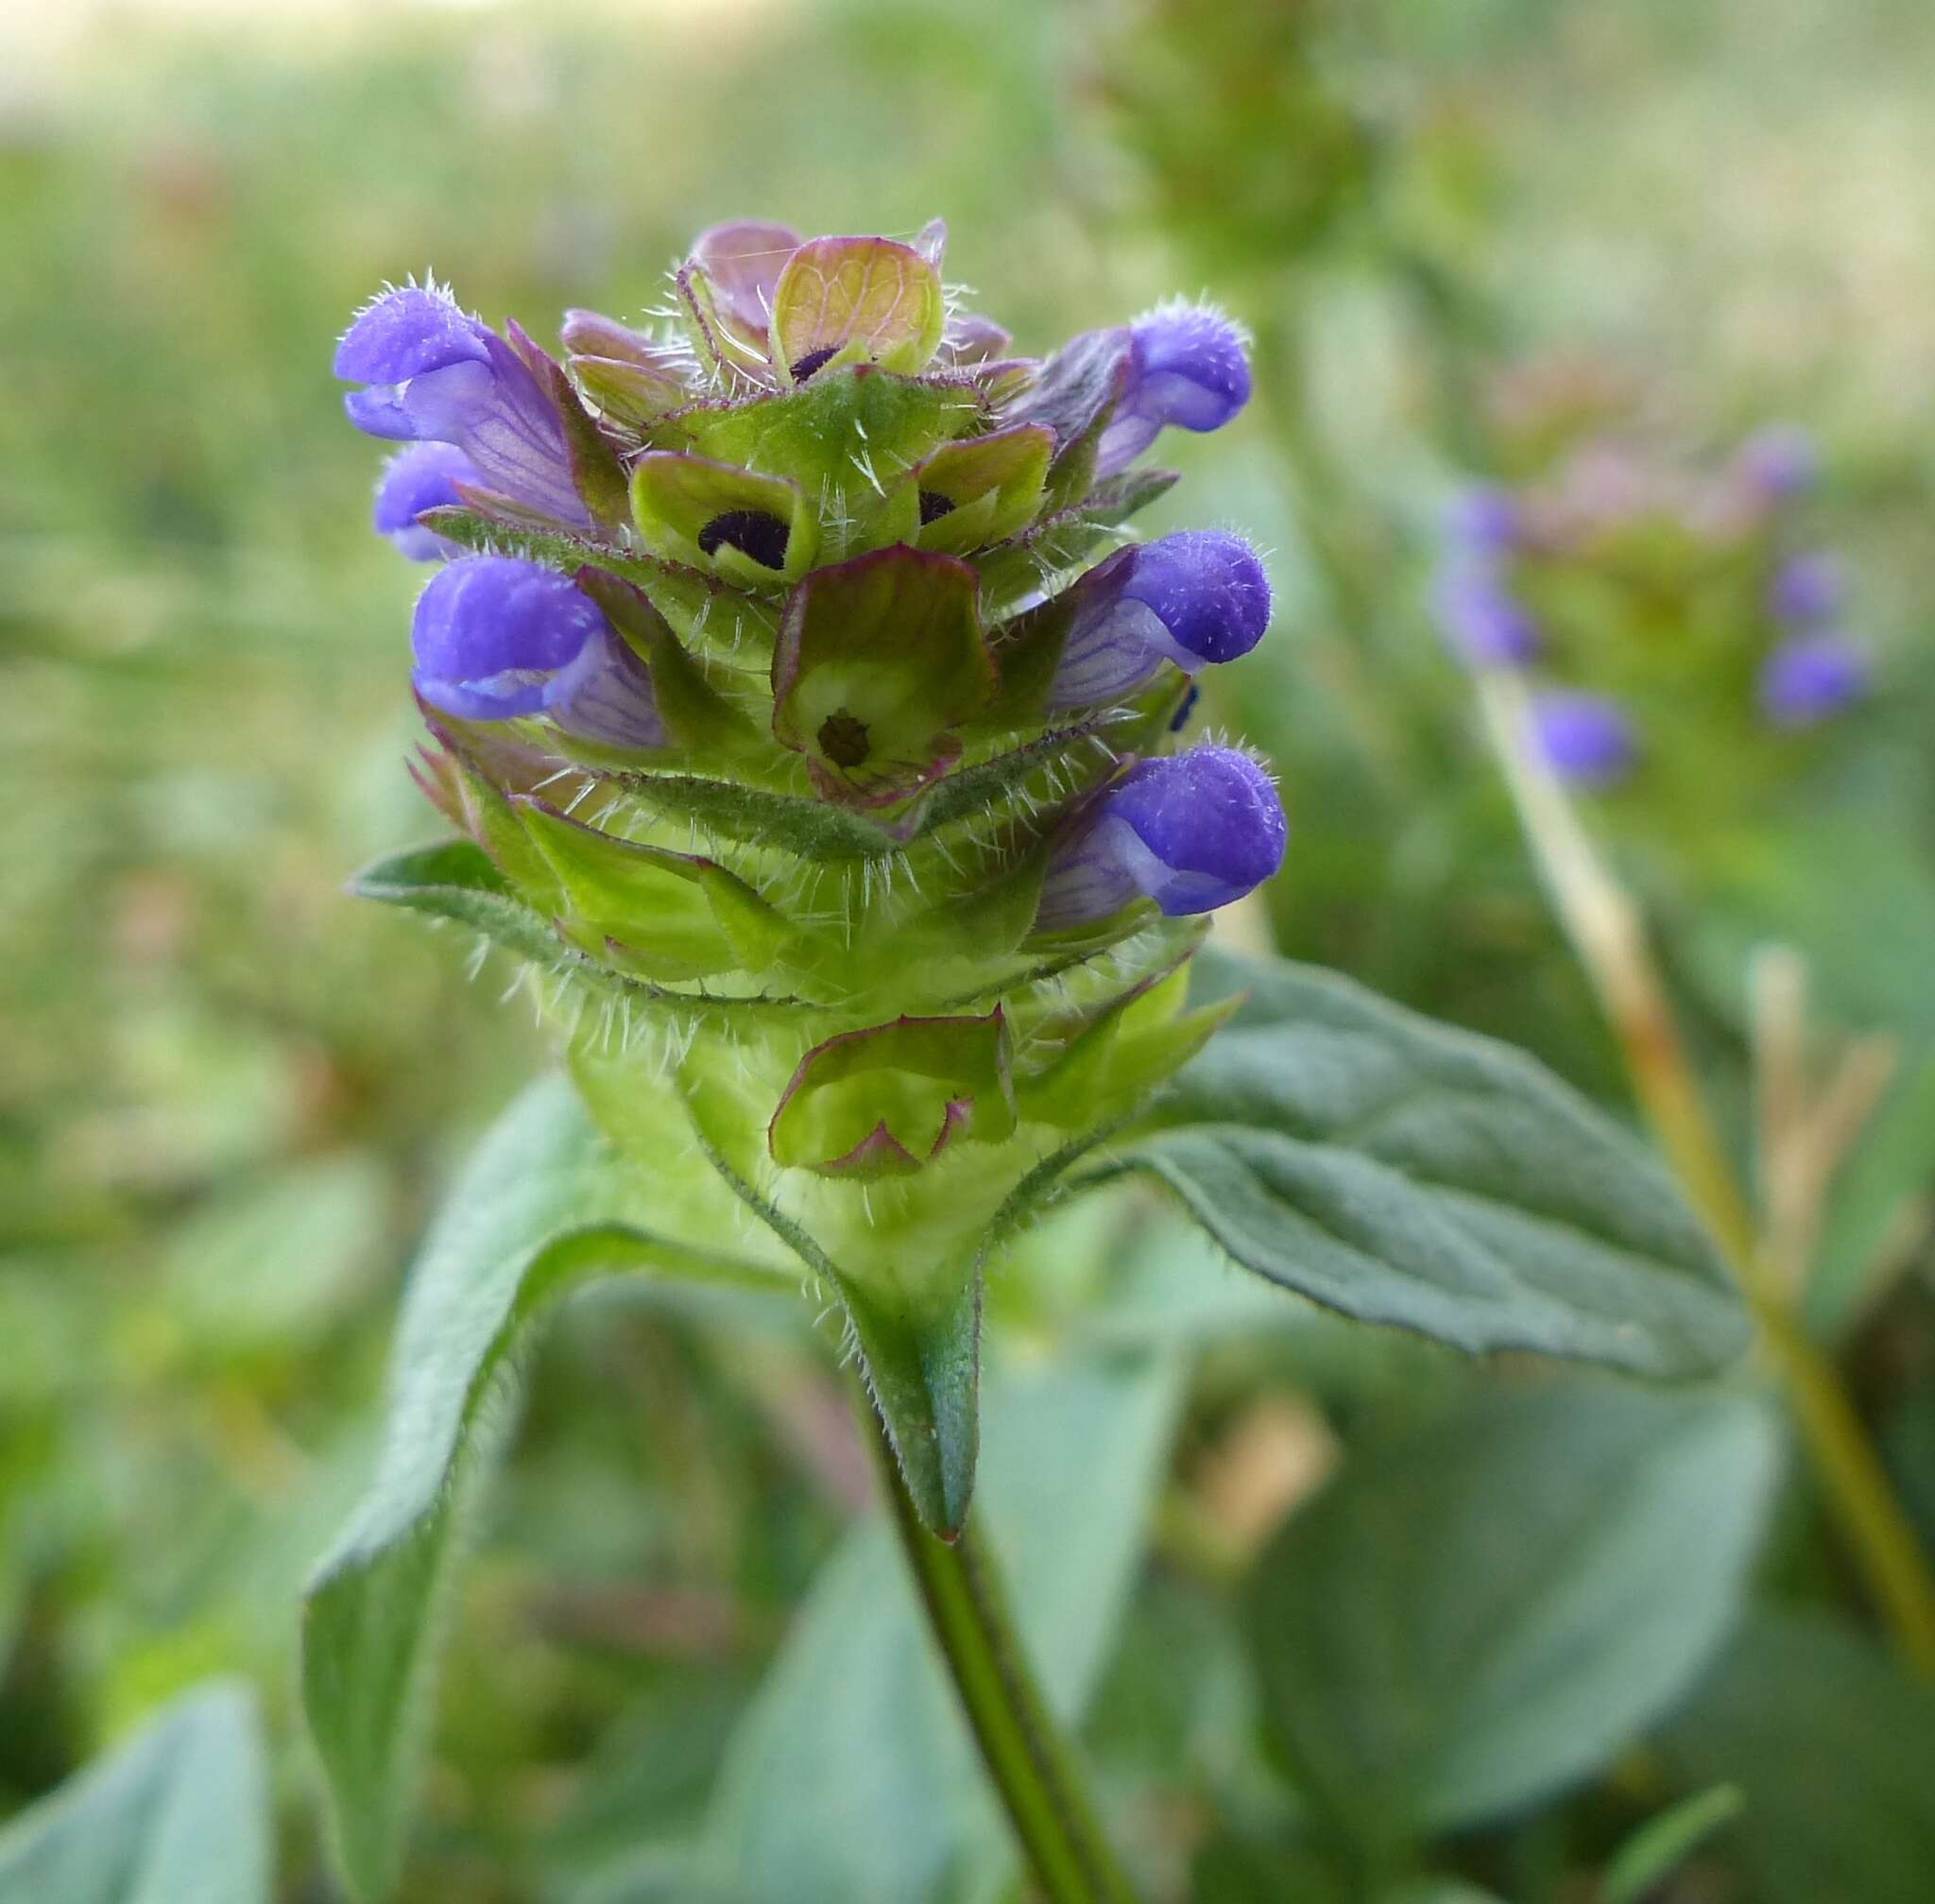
424 476
1483 519
1486 625
1811 677
1193 833
1585 738
1779 462
1191 598
1806 590
1186 366
496 637
432 374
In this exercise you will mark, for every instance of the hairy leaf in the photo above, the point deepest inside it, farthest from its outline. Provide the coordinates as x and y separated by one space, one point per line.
178 1815
456 880
1401 1172
544 1207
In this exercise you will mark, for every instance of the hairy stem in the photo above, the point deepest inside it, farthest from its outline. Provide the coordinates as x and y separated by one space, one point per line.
1607 934
1030 1763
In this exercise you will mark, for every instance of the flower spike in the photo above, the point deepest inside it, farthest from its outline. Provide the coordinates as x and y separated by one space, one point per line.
801 704
425 476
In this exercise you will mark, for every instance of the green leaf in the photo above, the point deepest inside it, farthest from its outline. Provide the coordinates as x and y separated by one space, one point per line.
1893 1162
1439 1891
178 1815
1401 1172
544 1207
853 1780
456 880
1491 1604
1831 1741
1652 1853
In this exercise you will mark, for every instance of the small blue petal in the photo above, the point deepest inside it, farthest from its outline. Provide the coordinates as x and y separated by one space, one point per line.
1484 621
1585 738
1188 367
1811 676
1806 589
421 478
1193 833
378 413
490 631
1194 598
605 696
408 334
435 375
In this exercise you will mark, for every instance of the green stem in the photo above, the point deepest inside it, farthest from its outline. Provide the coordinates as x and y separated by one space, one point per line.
1030 1763
1611 942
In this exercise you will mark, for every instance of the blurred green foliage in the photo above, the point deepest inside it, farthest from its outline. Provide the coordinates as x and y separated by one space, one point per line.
228 1095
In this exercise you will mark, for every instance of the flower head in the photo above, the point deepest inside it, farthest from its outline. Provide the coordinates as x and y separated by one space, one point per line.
1186 366
1194 597
1587 739
431 374
835 565
1811 676
1192 831
424 476
496 637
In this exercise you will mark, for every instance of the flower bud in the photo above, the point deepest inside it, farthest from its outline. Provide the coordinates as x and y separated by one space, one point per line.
630 377
1186 366
496 637
1811 676
970 338
1192 831
1485 624
1192 598
1806 590
424 476
433 374
742 262
1585 738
